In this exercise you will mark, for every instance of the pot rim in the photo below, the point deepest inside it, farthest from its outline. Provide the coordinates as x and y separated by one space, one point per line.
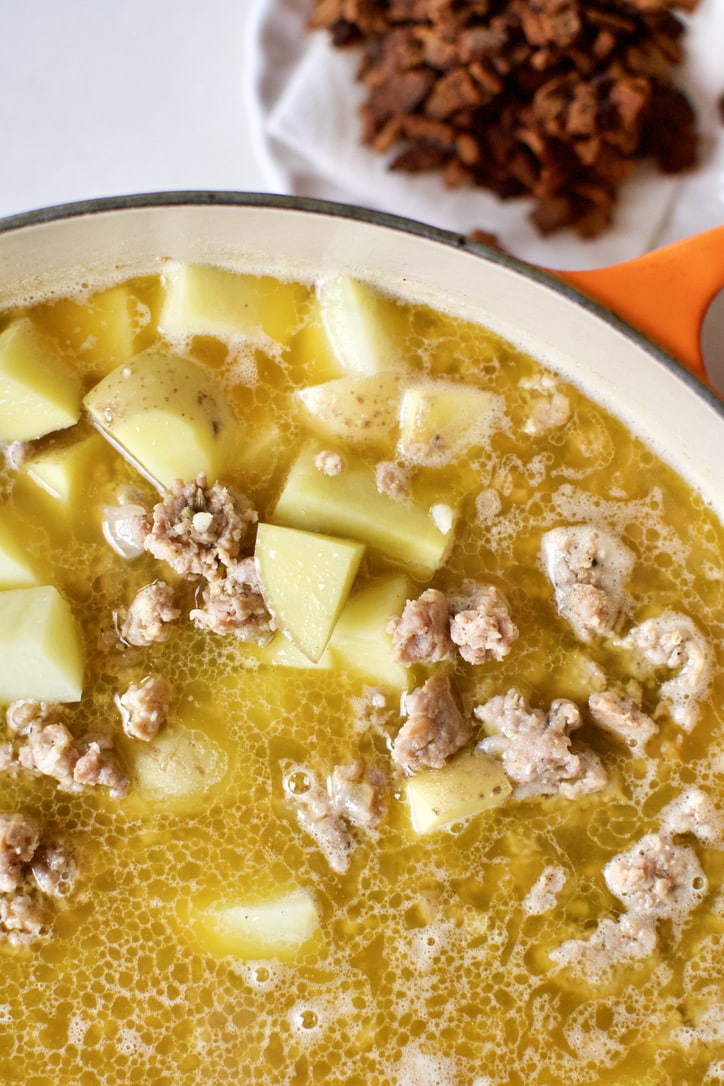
356 213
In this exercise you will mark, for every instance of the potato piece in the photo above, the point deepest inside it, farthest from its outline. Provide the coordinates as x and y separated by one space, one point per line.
465 786
356 320
306 579
350 505
256 928
202 300
281 652
168 416
359 410
310 357
360 642
39 393
177 771
40 647
62 471
16 570
439 422
102 330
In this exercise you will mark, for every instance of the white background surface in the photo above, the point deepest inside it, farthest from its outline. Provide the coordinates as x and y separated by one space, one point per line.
106 97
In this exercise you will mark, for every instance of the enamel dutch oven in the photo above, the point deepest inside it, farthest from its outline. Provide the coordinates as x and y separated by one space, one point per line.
636 349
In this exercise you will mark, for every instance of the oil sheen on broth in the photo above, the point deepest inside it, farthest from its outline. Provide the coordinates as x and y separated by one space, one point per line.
476 837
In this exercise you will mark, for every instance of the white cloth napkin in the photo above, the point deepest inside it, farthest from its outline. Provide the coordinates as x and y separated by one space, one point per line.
302 102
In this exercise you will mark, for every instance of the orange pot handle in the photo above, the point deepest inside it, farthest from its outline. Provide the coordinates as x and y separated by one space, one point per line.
665 293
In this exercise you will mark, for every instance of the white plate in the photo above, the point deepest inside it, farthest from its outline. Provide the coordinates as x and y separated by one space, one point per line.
302 103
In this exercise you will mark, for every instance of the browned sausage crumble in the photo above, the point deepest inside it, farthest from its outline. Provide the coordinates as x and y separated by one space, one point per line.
553 99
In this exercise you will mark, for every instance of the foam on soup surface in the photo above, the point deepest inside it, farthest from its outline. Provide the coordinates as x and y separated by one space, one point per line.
419 783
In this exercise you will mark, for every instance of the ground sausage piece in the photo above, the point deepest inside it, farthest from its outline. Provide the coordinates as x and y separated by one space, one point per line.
536 748
435 728
22 917
543 894
329 462
235 604
422 633
196 527
550 409
144 707
19 838
356 792
657 878
150 615
23 857
694 812
588 568
392 480
352 795
51 750
97 764
613 942
22 715
622 717
54 870
481 626
673 640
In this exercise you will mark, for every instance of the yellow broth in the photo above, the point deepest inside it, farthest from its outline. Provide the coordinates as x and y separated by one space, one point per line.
427 969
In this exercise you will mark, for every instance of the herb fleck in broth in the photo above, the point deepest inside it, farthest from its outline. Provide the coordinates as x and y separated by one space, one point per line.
428 955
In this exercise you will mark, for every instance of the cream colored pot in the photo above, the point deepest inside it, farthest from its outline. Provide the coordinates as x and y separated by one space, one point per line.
660 399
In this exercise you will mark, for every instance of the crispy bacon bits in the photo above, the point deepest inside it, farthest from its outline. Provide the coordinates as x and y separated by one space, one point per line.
554 99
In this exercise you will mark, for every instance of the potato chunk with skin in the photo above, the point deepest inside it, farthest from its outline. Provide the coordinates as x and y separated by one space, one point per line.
40 647
350 505
360 410
355 320
306 579
274 927
167 414
38 391
177 771
439 421
469 784
202 300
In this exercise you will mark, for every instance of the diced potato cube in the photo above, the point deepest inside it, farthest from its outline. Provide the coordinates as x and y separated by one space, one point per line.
256 929
281 652
62 471
40 647
306 579
465 786
439 422
356 320
166 414
360 410
310 356
350 505
16 570
202 300
361 643
39 393
177 771
102 330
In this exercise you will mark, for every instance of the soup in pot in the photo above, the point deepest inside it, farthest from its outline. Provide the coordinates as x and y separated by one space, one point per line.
361 690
